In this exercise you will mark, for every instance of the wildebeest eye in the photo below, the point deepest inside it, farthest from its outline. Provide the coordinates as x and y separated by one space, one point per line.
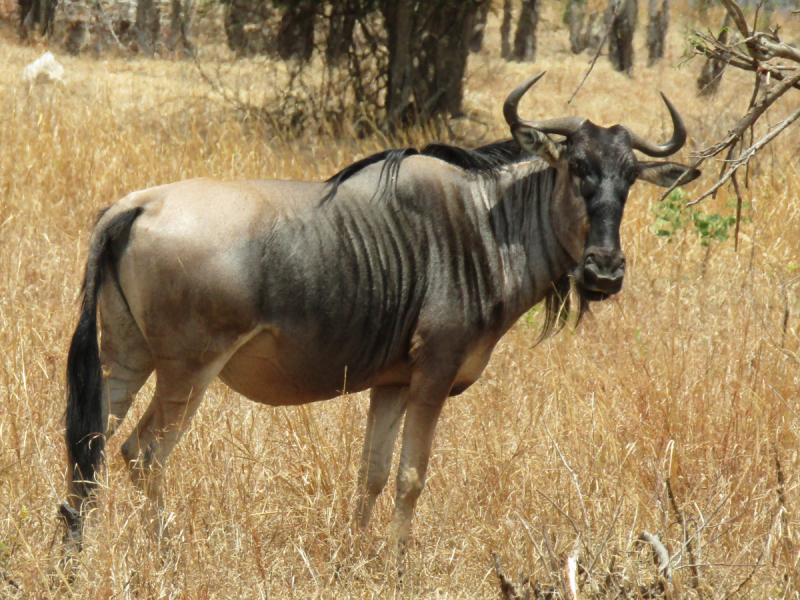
588 186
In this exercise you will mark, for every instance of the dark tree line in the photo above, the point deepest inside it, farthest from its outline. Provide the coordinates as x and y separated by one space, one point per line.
525 38
36 14
426 43
418 50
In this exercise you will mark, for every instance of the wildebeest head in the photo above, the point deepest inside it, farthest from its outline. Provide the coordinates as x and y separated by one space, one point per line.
599 166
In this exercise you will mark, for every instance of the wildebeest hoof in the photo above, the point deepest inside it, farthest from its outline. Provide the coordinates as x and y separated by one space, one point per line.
72 519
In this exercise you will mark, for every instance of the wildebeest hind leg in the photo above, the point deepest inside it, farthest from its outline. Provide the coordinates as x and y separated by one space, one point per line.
386 408
125 355
179 392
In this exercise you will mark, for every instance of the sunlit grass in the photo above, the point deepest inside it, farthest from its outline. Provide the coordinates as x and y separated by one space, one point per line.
690 374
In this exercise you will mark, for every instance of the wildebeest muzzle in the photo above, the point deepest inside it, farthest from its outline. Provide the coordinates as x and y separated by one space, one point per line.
601 272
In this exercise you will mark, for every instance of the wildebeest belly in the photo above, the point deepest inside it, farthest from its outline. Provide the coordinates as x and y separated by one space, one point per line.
274 371
266 371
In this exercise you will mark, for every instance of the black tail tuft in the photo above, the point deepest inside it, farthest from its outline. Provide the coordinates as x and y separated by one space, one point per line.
85 427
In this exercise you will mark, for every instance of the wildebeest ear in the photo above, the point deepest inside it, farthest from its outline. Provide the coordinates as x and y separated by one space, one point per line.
665 174
537 143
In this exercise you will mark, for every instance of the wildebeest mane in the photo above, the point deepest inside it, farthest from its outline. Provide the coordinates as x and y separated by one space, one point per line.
558 304
482 159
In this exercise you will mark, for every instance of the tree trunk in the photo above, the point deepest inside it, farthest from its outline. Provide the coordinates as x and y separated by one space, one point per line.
525 38
175 7
33 13
179 22
428 49
235 20
399 18
246 27
296 31
711 74
148 25
505 31
586 32
76 35
478 33
620 36
186 24
340 30
657 30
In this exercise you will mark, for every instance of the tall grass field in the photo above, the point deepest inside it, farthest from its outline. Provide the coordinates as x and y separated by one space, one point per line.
674 408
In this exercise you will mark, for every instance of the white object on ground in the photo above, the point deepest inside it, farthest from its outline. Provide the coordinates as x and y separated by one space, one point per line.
44 69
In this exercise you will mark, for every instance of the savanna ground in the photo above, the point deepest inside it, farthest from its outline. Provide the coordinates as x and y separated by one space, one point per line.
689 377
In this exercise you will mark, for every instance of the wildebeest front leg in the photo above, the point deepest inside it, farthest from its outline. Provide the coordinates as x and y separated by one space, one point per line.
177 397
427 396
386 408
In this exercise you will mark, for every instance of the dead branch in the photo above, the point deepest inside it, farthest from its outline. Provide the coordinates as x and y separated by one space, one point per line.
736 133
745 156
660 554
771 59
571 573
599 50
608 534
510 591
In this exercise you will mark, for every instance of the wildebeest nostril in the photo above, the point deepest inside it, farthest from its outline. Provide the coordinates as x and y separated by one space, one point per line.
603 271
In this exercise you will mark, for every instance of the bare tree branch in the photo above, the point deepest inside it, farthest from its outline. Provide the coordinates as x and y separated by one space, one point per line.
745 157
660 554
510 591
735 134
599 50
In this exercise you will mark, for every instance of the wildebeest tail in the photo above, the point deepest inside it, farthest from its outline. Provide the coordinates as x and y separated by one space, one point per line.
85 427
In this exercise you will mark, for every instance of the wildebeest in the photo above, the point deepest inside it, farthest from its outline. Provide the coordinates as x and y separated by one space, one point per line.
399 274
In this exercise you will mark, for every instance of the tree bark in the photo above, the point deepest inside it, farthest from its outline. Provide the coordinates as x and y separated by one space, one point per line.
525 38
76 35
657 30
148 25
711 74
505 31
620 36
398 15
36 13
479 31
296 31
340 30
428 47
246 27
180 20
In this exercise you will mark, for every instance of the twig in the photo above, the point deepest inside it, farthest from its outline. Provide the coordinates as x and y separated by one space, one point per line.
559 509
508 589
738 17
748 154
608 534
786 536
546 539
735 134
687 544
570 573
785 403
660 554
747 579
599 50
528 528
574 477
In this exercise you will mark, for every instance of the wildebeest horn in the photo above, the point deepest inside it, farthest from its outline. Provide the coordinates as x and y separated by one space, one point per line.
672 146
560 126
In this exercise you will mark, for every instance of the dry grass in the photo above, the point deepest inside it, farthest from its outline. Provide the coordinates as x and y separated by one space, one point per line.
689 376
